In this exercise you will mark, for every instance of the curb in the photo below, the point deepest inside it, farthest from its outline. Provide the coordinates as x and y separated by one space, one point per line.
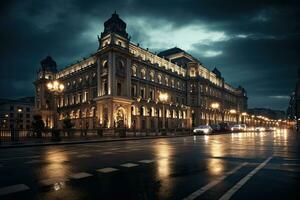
87 141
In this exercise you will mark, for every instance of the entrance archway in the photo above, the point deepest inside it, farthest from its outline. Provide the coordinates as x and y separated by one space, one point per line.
120 117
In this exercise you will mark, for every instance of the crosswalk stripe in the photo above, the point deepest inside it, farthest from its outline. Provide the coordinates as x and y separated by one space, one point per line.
129 165
107 170
146 161
52 181
13 189
80 175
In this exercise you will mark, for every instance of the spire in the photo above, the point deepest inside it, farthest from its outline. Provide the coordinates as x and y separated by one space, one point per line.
115 25
48 64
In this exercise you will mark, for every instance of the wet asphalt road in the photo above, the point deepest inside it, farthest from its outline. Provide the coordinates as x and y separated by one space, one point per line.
228 166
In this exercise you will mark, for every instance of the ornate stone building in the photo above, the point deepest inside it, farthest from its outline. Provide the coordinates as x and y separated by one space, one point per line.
124 84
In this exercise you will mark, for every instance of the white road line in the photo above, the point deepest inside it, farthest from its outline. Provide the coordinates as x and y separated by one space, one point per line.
80 175
52 181
129 165
291 164
200 191
146 161
244 180
13 189
107 170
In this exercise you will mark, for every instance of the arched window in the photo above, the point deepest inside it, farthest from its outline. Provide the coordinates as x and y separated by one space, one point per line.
143 73
184 114
121 64
179 114
160 113
174 114
168 113
159 78
166 81
133 70
172 83
192 72
105 64
152 76
152 112
133 110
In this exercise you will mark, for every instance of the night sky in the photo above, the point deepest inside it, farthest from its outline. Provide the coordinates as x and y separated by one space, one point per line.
254 44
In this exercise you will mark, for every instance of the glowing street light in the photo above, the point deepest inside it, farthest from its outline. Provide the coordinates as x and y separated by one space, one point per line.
163 97
232 111
215 106
55 87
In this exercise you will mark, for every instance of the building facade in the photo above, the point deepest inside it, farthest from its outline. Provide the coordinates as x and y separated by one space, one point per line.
122 84
17 113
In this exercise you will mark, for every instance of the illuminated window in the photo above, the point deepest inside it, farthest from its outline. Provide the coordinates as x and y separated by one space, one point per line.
133 70
152 75
143 73
159 78
193 72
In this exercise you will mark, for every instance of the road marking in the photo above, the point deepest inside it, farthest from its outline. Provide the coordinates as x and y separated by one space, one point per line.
83 156
80 175
129 165
52 181
34 161
244 180
13 189
146 161
291 164
107 170
200 191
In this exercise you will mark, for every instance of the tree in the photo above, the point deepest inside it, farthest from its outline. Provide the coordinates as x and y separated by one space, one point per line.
67 125
38 125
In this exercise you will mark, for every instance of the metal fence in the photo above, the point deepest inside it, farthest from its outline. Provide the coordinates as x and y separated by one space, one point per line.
19 136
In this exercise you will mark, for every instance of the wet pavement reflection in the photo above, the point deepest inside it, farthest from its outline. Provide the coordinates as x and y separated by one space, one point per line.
168 168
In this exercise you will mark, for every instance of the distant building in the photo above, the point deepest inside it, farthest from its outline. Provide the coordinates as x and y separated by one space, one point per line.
17 113
124 84
266 112
291 111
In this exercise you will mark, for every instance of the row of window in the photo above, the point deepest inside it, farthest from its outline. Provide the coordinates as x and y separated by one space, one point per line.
81 80
157 77
77 98
158 112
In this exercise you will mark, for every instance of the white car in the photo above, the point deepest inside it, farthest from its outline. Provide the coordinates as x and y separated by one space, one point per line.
239 127
206 129
260 129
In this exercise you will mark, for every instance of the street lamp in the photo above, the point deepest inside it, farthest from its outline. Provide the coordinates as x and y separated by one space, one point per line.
215 106
163 97
244 114
55 87
233 111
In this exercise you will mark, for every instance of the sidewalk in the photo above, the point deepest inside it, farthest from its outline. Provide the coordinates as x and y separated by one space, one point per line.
82 141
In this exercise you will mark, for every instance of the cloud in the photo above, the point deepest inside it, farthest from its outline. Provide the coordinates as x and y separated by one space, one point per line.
280 97
253 43
212 53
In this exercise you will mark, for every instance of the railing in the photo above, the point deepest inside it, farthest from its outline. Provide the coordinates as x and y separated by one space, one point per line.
18 136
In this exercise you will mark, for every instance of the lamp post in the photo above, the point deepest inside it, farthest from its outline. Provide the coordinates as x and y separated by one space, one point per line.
55 87
233 111
244 114
163 97
215 106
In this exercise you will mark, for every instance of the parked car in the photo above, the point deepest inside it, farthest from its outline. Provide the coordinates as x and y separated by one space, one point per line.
260 129
203 129
239 127
251 128
215 127
224 127
271 129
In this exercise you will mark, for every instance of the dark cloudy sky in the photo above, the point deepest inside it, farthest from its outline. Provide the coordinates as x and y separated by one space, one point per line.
254 43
